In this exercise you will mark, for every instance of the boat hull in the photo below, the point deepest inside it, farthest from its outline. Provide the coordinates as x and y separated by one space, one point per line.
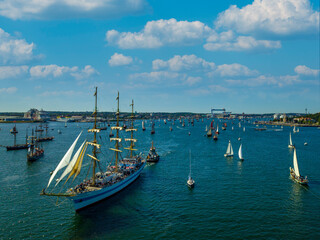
86 199
17 147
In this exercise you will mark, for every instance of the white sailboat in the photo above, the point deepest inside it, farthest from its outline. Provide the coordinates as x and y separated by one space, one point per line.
240 153
244 129
229 152
290 142
143 127
294 172
190 181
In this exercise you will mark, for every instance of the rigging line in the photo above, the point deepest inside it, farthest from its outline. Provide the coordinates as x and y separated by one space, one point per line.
89 168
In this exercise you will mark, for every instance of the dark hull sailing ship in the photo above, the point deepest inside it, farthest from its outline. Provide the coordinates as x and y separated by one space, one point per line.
34 151
102 184
46 138
16 146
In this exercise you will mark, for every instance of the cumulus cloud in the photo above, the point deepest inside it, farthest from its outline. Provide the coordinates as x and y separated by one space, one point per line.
119 59
242 43
235 69
159 76
304 70
62 9
8 72
185 62
14 50
279 81
276 17
161 32
43 71
8 90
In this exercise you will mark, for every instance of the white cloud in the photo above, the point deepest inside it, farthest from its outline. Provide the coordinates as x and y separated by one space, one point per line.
59 93
304 70
185 62
235 69
62 9
43 71
192 80
7 72
227 41
13 50
279 81
162 32
276 17
8 90
86 72
155 77
211 89
119 60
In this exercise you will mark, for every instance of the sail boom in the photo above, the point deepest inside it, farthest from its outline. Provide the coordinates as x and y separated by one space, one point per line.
94 144
131 129
131 149
130 139
116 139
93 157
115 128
116 150
94 130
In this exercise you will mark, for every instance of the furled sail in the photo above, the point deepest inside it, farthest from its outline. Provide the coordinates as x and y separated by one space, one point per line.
71 164
295 163
65 160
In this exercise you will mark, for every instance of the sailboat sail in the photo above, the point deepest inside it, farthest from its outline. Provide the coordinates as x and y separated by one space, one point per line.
72 163
228 149
295 164
240 152
65 160
290 140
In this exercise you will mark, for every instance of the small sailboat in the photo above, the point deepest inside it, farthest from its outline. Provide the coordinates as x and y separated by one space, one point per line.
111 134
240 153
190 181
59 131
65 124
170 128
244 129
152 155
294 129
232 128
209 133
189 133
215 137
305 143
143 127
229 152
206 130
46 138
290 142
294 172
217 131
152 128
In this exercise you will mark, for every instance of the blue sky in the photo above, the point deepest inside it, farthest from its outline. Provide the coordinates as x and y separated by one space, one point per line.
245 56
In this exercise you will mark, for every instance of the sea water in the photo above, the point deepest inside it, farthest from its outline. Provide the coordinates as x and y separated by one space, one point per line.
231 200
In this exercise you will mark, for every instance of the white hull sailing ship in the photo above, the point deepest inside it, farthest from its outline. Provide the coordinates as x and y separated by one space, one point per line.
229 152
294 172
102 184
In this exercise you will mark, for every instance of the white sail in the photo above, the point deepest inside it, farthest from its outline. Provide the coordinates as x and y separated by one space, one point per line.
240 152
244 129
71 164
294 129
217 128
295 163
142 124
206 129
65 160
229 148
290 140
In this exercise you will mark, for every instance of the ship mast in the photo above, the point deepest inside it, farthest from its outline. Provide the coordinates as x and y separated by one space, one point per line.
132 140
117 139
94 142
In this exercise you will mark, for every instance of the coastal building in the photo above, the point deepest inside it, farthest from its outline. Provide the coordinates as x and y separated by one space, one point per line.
36 115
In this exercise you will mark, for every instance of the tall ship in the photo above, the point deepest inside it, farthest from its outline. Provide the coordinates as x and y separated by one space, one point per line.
101 185
35 150
16 146
46 137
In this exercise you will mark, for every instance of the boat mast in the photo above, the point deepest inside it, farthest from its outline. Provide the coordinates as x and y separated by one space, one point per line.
94 142
131 144
117 142
94 151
